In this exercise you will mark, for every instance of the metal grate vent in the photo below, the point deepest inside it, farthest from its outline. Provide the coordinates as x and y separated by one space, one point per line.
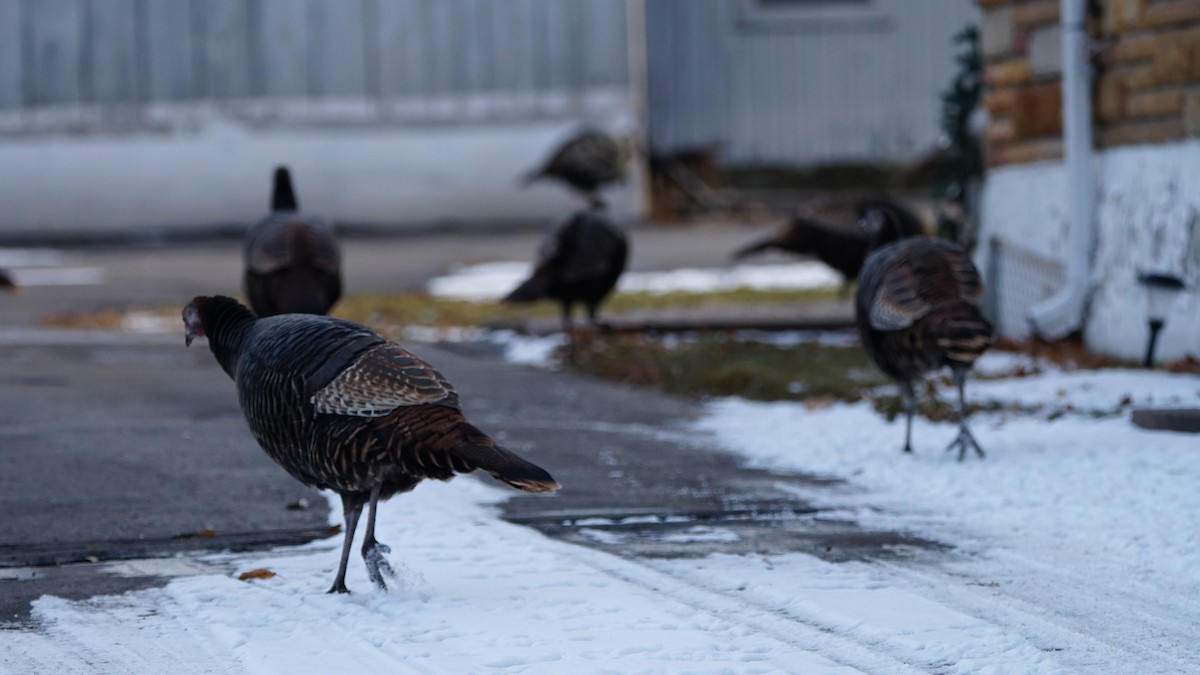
1018 279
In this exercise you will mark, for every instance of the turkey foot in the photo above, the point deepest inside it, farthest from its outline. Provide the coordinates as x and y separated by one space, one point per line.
377 564
963 441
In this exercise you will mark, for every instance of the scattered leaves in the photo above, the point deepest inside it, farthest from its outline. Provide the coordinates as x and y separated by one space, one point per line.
105 319
1069 354
1188 364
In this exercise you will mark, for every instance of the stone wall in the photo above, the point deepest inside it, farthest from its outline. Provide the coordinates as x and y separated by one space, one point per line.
1146 65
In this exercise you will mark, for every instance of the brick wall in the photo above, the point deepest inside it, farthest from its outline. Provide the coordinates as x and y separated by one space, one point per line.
1146 68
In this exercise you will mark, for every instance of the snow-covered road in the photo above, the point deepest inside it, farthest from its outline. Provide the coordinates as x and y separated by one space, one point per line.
1074 549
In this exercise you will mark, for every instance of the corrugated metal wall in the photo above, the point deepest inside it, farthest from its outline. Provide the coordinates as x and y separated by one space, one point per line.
406 59
801 82
390 112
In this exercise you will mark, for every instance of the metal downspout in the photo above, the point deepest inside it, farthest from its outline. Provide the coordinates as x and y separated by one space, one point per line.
1062 313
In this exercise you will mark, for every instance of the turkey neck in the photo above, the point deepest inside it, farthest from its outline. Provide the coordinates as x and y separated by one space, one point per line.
226 323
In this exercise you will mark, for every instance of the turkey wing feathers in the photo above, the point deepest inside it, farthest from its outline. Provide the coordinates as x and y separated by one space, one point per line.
380 380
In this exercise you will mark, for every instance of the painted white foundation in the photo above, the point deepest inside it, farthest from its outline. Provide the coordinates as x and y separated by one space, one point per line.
1147 219
216 171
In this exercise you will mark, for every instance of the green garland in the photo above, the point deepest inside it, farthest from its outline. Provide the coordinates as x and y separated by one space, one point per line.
962 165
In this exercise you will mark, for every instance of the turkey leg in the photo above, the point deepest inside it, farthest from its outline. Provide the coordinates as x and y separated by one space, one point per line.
373 551
352 509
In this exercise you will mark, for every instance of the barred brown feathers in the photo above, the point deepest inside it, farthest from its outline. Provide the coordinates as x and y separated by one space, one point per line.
339 407
918 309
586 162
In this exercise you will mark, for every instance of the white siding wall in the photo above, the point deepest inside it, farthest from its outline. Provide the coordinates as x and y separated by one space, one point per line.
148 113
1147 220
136 52
801 83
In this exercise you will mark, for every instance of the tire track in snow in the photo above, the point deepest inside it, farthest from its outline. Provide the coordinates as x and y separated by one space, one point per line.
112 635
320 626
817 639
1085 635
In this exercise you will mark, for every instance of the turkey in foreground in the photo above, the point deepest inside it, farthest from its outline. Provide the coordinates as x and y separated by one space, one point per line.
841 245
292 261
341 408
587 162
580 260
917 309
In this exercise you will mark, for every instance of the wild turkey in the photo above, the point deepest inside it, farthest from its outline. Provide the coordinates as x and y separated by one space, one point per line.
843 246
917 309
580 260
587 162
293 264
340 407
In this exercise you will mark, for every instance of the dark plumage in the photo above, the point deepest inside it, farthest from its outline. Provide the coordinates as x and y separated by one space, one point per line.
340 407
579 260
917 309
6 281
586 162
292 261
842 246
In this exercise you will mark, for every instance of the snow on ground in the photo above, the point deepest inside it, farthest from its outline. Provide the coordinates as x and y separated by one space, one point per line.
475 594
493 280
1074 550
45 267
1090 521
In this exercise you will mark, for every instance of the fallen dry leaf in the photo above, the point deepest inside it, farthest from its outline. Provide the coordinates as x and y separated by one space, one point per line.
260 573
819 402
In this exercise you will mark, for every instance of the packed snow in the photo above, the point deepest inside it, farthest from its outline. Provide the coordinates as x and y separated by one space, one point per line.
491 281
1072 548
45 267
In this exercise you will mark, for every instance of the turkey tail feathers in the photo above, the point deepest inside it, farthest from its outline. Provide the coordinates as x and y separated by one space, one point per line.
533 288
961 331
756 247
282 196
532 177
505 466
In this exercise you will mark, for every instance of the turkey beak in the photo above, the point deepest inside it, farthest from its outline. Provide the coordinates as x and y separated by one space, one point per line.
192 328
190 333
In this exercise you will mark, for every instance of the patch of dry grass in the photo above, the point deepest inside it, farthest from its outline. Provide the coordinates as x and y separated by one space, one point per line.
422 309
717 365
710 365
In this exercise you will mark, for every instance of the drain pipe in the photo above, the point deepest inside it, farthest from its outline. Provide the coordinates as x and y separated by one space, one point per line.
1062 313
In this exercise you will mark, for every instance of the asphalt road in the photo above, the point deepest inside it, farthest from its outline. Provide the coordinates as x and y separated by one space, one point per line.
120 451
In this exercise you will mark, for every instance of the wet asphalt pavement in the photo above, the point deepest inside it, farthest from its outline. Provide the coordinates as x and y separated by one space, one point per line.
121 451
